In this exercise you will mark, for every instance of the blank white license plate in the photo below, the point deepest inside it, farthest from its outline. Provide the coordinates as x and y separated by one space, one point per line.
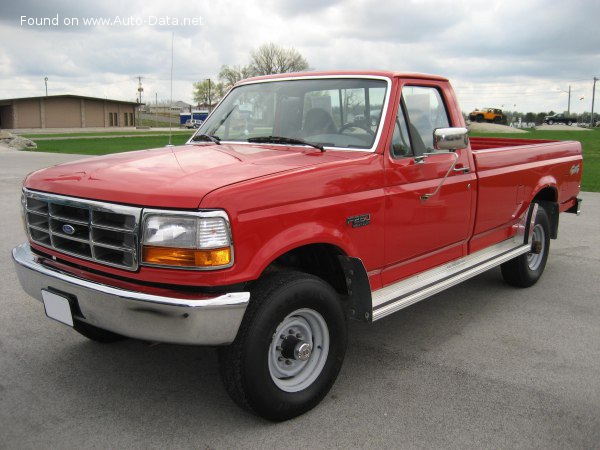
57 307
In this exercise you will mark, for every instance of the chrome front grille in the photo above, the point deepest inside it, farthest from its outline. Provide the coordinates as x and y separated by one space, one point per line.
102 232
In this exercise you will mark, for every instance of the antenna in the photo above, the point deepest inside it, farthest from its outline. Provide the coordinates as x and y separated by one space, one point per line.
171 104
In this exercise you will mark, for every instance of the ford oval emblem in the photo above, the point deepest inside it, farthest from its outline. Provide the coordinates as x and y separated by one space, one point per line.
68 229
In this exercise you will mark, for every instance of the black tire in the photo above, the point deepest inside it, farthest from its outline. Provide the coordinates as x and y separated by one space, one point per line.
479 118
569 123
526 270
96 334
551 122
247 365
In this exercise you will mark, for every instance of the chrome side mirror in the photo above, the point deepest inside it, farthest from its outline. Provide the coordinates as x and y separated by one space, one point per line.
450 139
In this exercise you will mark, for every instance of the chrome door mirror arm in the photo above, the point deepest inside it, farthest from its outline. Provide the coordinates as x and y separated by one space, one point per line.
451 169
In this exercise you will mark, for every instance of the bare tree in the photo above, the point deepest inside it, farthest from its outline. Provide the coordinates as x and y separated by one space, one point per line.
229 75
265 60
270 58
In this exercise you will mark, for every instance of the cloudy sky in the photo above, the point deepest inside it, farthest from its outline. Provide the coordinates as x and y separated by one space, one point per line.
512 54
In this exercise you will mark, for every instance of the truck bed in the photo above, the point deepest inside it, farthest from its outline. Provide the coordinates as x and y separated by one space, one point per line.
512 171
483 143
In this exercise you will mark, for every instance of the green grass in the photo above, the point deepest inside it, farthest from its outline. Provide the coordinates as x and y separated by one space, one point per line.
106 133
104 146
590 143
158 123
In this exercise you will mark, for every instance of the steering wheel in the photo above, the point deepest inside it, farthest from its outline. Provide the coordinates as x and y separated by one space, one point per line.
360 125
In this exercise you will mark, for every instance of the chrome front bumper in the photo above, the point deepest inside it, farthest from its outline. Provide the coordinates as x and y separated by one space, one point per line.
209 320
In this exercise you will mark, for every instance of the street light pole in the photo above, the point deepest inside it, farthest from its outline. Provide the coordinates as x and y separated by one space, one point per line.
569 101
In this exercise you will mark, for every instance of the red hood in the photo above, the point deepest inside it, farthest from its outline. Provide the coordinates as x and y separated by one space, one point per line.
171 177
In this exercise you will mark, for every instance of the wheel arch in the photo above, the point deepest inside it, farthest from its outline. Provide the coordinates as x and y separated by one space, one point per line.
547 197
347 275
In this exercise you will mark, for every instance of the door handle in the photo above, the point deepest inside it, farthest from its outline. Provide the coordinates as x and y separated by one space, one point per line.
461 169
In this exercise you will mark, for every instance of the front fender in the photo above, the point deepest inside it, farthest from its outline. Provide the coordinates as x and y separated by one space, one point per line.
302 234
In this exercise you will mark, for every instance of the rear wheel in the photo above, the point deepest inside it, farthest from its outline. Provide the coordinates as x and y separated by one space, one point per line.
479 118
289 349
526 270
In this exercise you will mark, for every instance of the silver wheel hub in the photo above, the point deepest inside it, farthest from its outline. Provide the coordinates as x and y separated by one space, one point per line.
538 246
298 351
302 351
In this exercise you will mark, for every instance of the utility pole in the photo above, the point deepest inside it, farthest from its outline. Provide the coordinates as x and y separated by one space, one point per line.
593 98
140 89
46 82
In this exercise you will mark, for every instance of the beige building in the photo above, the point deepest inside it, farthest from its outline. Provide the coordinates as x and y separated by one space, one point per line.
65 111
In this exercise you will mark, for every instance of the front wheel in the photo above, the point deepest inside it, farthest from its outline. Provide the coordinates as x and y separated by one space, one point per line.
526 270
289 349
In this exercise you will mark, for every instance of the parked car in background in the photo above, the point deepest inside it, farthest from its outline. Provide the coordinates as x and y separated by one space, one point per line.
492 115
193 123
559 118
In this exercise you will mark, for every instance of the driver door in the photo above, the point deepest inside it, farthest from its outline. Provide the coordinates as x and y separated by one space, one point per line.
423 233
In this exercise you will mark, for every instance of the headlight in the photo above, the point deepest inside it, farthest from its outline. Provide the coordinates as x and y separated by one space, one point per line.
187 240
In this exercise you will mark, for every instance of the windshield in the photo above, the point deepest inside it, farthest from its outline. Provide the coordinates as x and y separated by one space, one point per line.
332 112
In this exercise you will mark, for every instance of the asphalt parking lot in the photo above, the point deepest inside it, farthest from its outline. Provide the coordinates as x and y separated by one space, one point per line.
482 365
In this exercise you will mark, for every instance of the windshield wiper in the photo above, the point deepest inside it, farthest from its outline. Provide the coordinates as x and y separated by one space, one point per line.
207 137
283 140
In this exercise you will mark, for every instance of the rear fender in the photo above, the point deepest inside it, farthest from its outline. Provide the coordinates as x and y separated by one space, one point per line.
543 187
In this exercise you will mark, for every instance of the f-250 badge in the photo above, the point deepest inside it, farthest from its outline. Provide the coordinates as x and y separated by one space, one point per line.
359 221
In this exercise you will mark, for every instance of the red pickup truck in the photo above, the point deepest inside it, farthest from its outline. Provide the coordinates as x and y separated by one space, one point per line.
302 201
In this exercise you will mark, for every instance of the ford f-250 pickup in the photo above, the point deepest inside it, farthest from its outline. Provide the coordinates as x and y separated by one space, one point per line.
303 200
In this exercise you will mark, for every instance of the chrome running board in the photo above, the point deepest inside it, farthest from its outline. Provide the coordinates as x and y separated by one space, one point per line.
407 292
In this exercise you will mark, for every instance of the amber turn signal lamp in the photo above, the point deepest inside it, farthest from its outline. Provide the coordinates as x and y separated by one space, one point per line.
186 257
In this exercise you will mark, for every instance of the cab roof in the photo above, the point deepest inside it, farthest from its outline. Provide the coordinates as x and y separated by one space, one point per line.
345 73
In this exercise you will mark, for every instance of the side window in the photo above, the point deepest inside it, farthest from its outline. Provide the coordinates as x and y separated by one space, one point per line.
400 139
426 112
